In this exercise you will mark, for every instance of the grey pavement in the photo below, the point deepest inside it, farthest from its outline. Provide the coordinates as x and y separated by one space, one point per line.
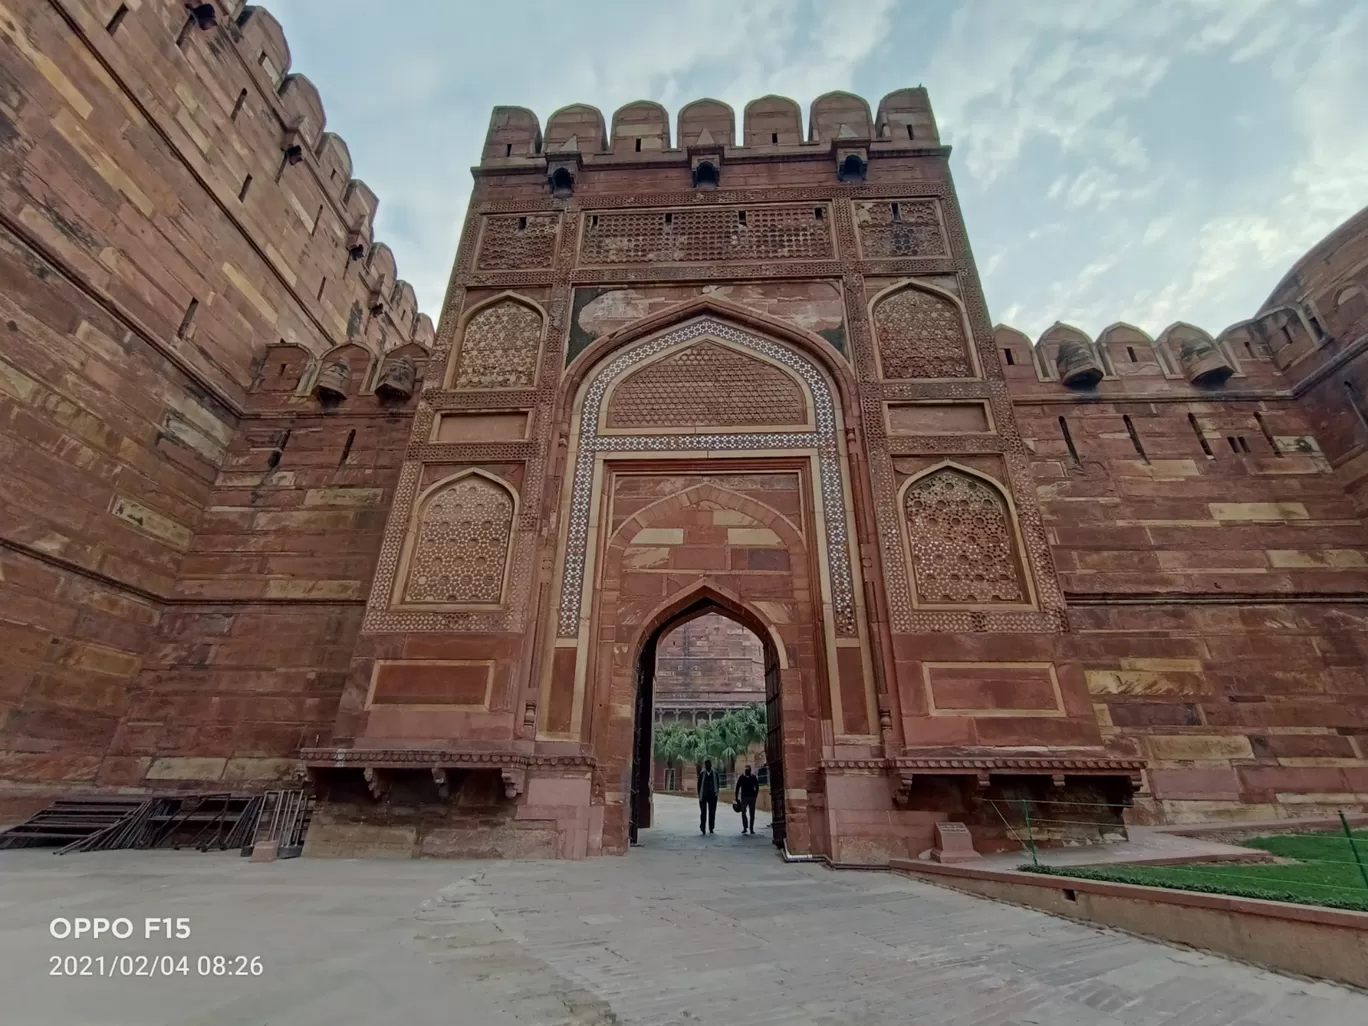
684 930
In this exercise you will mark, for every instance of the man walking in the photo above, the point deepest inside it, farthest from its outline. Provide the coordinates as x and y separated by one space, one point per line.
747 790
707 798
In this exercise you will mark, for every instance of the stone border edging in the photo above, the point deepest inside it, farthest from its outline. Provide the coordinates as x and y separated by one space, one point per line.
1308 940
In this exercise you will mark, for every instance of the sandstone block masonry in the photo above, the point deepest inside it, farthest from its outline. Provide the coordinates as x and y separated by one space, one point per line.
683 367
186 524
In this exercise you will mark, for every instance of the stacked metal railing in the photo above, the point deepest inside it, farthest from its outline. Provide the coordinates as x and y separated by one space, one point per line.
283 820
206 822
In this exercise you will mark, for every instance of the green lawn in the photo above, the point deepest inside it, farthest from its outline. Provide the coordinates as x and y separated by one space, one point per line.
1324 874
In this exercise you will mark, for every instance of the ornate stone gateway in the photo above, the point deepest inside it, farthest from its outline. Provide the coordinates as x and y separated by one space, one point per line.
780 402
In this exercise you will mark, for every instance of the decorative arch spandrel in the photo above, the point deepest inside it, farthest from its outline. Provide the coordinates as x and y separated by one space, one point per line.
964 544
709 384
922 332
459 544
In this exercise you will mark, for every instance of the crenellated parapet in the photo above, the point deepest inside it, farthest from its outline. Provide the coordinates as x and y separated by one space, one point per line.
641 131
1182 359
390 319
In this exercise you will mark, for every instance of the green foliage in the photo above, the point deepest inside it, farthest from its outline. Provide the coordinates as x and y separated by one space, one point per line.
1325 872
722 739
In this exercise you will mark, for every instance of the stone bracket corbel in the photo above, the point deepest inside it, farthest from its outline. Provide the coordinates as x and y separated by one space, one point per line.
901 786
377 780
514 780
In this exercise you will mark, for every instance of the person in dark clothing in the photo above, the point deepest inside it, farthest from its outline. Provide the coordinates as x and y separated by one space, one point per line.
707 798
747 790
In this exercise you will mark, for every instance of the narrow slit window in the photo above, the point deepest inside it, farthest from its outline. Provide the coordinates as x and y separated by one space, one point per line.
185 32
273 460
1130 351
774 138
1197 430
1263 426
508 149
593 221
638 145
347 447
817 214
1068 440
321 286
909 132
117 19
1249 348
1134 437
237 106
522 224
741 216
1244 445
246 184
1230 441
332 176
1007 355
669 218
897 212
318 217
188 320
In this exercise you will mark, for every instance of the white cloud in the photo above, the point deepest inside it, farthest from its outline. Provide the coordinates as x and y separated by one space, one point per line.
1160 223
1145 160
415 105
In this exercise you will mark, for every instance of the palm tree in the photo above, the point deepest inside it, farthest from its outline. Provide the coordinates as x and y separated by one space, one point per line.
721 740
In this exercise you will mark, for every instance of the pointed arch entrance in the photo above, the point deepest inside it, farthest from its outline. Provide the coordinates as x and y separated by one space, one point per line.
697 602
735 479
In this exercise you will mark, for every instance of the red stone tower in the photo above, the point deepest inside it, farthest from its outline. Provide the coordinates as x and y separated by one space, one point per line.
752 375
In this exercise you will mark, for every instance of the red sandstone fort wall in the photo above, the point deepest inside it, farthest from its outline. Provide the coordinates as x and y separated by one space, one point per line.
1174 572
173 209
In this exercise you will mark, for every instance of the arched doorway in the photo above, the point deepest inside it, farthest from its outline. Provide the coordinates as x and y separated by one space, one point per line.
640 806
707 458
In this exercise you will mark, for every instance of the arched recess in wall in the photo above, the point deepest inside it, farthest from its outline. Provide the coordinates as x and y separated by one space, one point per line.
359 363
499 345
459 543
922 331
964 545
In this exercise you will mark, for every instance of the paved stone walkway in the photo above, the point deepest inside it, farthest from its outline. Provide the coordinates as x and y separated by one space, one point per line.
684 930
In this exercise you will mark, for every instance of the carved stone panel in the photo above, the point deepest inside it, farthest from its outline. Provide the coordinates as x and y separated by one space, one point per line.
460 547
499 347
963 541
711 234
921 334
517 243
707 385
889 229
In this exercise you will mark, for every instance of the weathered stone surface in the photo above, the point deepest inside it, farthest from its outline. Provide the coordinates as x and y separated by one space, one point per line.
648 403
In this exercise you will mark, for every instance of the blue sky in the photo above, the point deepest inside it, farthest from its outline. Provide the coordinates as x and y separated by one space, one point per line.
1137 160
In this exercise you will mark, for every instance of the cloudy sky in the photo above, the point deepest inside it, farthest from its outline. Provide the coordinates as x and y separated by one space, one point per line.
1137 160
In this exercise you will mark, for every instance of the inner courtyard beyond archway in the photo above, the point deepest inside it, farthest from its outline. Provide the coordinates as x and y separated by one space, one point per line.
708 688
